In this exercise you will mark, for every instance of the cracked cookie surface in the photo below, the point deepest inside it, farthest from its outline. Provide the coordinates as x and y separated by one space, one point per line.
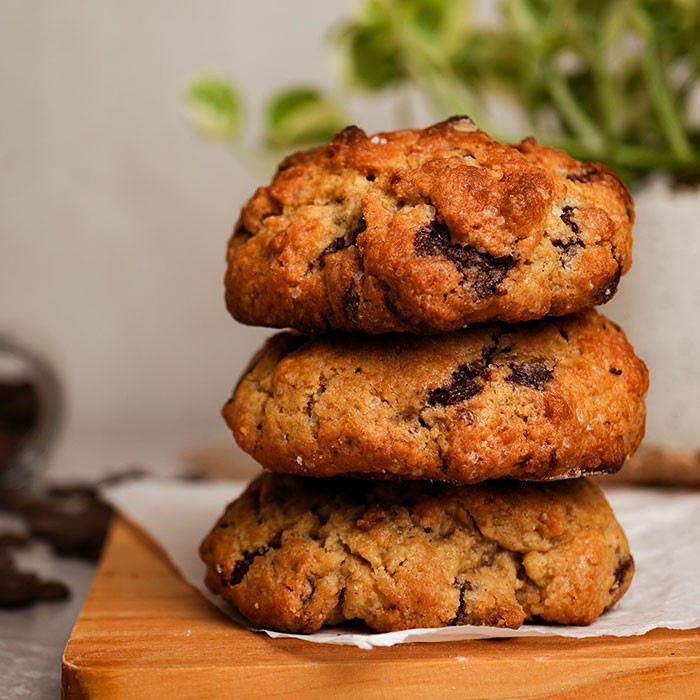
548 399
296 553
427 231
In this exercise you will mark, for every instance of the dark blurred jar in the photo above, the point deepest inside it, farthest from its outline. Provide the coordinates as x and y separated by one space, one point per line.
31 408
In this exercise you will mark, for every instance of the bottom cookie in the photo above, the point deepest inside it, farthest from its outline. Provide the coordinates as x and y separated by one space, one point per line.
297 553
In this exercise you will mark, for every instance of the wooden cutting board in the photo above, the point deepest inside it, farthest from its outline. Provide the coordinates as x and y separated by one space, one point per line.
145 633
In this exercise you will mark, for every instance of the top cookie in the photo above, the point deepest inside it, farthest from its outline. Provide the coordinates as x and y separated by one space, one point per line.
427 231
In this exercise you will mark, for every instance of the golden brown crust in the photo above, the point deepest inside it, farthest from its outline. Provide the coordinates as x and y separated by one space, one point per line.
295 554
427 231
545 400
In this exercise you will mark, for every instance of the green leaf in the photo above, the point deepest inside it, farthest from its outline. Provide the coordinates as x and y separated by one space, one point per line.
214 107
301 116
374 61
613 80
429 18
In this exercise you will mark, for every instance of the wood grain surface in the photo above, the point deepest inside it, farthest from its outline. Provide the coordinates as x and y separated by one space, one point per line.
145 633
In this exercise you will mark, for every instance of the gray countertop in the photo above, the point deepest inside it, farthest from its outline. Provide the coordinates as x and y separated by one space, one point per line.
32 639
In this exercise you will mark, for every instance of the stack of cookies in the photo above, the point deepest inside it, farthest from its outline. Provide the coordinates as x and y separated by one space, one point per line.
427 429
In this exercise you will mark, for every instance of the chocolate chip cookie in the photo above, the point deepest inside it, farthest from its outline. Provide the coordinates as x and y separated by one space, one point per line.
427 231
548 399
295 554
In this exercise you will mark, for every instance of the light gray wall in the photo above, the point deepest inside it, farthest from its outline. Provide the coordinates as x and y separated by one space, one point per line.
114 216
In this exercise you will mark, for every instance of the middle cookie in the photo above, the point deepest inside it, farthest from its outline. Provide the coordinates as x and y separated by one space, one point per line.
550 399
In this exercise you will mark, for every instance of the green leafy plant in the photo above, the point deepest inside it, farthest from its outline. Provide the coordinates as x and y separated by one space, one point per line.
607 80
215 107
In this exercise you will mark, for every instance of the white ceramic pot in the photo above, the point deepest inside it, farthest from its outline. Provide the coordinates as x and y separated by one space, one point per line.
658 306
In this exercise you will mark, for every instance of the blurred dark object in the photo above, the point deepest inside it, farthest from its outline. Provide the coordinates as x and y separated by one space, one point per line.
31 408
73 522
21 588
658 466
71 518
20 411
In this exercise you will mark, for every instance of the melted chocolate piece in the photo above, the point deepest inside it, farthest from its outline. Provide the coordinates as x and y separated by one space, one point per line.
585 176
533 374
621 571
566 217
466 382
242 565
464 586
359 228
337 244
482 272
351 301
607 291
568 249
243 232
343 242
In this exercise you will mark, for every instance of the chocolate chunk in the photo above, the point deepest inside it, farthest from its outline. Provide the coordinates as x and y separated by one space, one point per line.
242 565
533 374
239 571
351 301
566 215
623 567
607 291
73 520
487 354
482 272
568 249
17 588
243 232
349 135
22 588
12 538
462 613
615 371
53 590
80 533
343 242
456 118
335 245
465 383
432 240
585 176
360 227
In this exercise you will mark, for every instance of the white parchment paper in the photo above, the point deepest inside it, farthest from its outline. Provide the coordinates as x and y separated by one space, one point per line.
663 528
